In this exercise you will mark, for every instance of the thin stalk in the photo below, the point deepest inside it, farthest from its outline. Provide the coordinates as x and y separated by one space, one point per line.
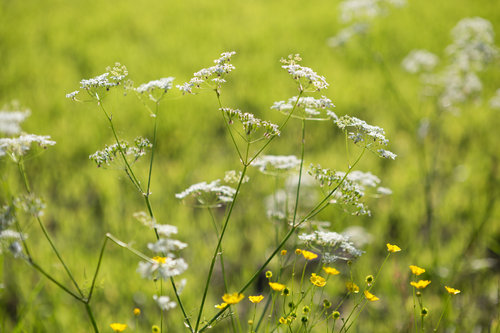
91 316
227 126
354 320
152 149
48 276
45 232
214 256
442 313
89 297
302 149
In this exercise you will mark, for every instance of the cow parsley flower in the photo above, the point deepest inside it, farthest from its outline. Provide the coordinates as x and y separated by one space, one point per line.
212 77
251 124
208 194
420 61
345 34
10 121
307 108
164 302
16 147
98 85
369 136
156 89
305 77
332 246
366 10
109 153
276 164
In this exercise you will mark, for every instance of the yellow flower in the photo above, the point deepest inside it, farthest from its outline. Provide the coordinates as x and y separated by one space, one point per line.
160 260
452 291
277 286
352 287
416 270
421 284
283 252
317 280
283 321
309 255
221 306
155 329
298 251
137 311
331 270
256 299
369 296
233 298
117 327
393 248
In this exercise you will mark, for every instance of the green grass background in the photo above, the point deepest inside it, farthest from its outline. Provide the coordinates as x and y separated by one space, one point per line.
47 47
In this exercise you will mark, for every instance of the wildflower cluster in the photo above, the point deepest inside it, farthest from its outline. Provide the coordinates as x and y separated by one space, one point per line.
211 194
368 136
276 164
97 86
109 153
250 123
213 77
305 77
10 240
332 246
307 108
470 52
10 120
165 264
156 89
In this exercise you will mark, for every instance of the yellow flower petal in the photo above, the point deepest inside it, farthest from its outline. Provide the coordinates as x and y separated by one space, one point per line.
221 306
277 286
309 255
317 280
352 287
256 299
117 327
331 270
233 298
369 296
452 291
416 270
420 284
393 248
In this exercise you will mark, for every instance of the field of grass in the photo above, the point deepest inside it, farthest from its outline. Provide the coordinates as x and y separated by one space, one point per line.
443 211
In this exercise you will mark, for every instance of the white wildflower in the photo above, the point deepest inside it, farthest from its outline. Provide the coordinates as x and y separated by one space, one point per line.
165 245
250 123
208 194
345 34
165 230
332 245
171 267
307 108
72 95
420 61
16 147
495 101
10 121
231 177
109 153
212 76
164 302
274 164
156 88
366 10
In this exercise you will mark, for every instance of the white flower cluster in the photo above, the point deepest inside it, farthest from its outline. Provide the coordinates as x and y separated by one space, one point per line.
10 121
332 246
113 77
305 77
458 81
369 136
251 124
161 84
166 264
344 35
365 10
495 101
307 108
420 61
15 147
164 302
30 204
10 240
275 164
109 153
213 76
208 194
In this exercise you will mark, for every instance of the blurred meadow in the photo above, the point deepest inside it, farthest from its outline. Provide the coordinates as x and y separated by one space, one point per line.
443 211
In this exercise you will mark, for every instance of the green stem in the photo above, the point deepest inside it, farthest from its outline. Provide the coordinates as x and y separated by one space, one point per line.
152 150
45 232
442 313
91 316
97 269
302 150
40 269
217 248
